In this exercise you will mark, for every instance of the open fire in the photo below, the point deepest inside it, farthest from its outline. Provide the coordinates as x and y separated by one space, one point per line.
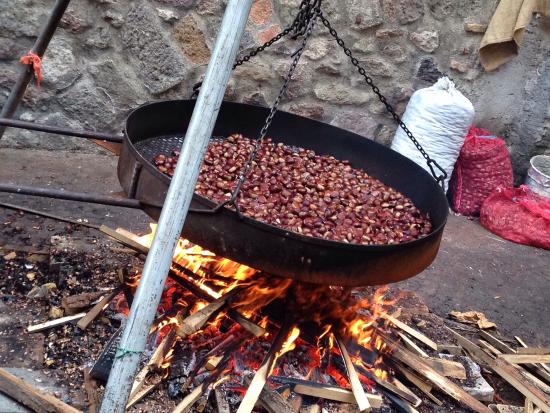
227 328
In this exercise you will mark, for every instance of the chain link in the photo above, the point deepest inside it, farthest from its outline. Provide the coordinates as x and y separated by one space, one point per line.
362 71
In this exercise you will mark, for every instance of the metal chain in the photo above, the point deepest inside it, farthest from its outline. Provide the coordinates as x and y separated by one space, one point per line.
312 12
362 71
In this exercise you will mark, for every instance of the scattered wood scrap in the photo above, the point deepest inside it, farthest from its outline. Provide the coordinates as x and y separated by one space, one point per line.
31 397
97 309
54 323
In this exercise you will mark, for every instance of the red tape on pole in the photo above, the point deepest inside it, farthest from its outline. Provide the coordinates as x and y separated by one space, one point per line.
33 59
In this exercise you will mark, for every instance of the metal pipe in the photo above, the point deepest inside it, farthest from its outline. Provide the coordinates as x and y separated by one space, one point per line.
70 195
86 134
39 47
175 208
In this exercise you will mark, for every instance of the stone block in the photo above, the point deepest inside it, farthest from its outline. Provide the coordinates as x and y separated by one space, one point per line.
360 122
379 67
308 110
268 33
410 11
158 63
397 53
261 11
364 14
184 4
59 65
190 36
339 93
441 9
167 15
90 104
209 7
389 33
317 48
459 66
426 40
99 38
385 135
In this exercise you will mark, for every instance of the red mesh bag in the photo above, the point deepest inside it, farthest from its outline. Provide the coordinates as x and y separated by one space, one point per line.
483 165
519 215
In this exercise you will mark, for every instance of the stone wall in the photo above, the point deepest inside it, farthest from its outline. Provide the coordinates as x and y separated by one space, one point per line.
112 55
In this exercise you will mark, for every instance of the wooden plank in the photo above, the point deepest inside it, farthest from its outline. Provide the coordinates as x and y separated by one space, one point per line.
335 393
411 345
411 331
524 345
356 386
514 377
500 345
198 319
533 350
444 384
97 309
422 385
450 348
508 372
447 368
258 382
54 323
31 397
526 358
528 407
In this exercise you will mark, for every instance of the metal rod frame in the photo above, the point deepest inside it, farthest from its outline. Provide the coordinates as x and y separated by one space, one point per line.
57 130
26 73
175 208
70 195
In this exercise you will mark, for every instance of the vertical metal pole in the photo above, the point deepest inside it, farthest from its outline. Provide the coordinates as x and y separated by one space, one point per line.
39 47
175 208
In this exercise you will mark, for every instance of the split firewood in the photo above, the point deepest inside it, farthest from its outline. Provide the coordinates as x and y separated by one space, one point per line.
533 350
54 323
356 386
335 393
141 393
401 405
154 362
535 380
420 383
508 372
411 345
526 358
444 384
524 345
447 368
31 397
258 382
75 303
97 309
411 331
198 319
189 400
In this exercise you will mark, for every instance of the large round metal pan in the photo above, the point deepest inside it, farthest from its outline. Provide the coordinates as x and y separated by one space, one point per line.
160 126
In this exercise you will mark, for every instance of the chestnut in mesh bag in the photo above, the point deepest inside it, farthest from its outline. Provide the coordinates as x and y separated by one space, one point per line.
519 215
482 166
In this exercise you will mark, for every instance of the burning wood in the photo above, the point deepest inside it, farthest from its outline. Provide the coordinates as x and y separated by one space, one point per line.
356 386
283 342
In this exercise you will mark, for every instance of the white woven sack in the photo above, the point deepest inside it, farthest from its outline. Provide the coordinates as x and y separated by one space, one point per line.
439 118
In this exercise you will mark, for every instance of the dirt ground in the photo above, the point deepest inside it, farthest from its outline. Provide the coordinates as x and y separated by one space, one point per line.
475 270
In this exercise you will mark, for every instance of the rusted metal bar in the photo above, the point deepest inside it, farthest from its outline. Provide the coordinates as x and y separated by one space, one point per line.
39 48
